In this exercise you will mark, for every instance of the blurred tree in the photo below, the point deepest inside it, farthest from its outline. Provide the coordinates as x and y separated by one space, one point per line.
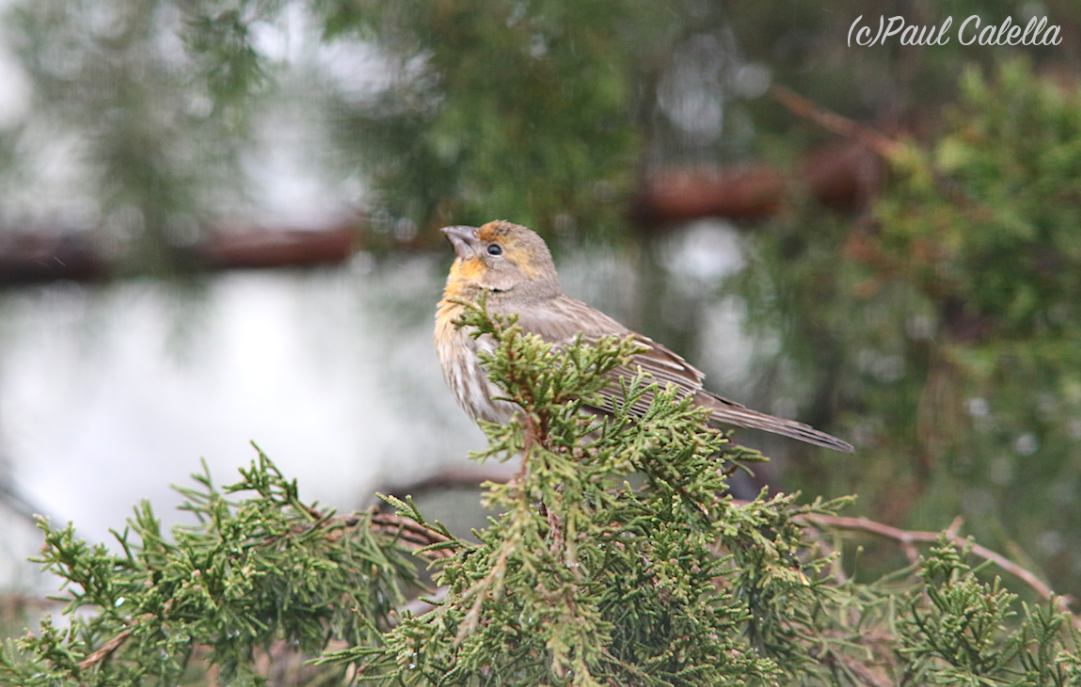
943 326
547 112
116 97
501 109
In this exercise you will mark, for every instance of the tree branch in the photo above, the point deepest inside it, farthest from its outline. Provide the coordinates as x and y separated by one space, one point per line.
909 538
107 649
835 123
860 671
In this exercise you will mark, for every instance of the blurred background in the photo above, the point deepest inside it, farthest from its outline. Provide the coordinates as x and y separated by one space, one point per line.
219 223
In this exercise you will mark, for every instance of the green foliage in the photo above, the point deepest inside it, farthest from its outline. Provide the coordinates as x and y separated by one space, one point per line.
146 157
585 580
544 112
618 558
233 68
251 572
501 109
955 631
475 110
946 324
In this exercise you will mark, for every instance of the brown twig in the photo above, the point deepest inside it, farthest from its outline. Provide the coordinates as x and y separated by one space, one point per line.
909 539
833 122
871 139
107 649
460 477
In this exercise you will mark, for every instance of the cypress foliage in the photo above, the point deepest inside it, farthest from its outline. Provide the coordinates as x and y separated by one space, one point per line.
618 559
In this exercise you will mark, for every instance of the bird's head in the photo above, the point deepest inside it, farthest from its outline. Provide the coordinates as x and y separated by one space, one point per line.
500 256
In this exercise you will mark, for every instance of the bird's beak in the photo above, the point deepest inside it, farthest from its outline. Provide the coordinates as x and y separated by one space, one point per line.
463 239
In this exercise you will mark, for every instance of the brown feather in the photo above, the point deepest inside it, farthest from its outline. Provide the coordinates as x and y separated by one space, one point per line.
560 319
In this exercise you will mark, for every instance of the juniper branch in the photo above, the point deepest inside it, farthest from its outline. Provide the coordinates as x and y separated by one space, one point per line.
910 537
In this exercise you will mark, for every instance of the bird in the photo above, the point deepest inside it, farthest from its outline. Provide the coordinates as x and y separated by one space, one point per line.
511 266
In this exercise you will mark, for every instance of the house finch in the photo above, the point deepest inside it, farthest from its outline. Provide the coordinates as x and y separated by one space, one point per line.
512 264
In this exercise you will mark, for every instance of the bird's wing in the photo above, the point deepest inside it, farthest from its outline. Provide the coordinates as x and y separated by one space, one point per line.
662 367
666 367
559 320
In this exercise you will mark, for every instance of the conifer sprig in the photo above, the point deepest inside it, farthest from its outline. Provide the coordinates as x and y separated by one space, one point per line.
250 573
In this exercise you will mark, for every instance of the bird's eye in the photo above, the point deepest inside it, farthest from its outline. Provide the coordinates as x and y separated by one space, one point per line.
494 249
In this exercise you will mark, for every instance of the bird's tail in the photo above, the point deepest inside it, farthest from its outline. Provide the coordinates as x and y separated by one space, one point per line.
731 413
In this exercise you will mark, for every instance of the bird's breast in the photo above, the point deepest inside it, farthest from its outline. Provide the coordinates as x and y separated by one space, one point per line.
458 354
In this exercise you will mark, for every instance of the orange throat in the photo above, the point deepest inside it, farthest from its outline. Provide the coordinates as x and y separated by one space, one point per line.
461 278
